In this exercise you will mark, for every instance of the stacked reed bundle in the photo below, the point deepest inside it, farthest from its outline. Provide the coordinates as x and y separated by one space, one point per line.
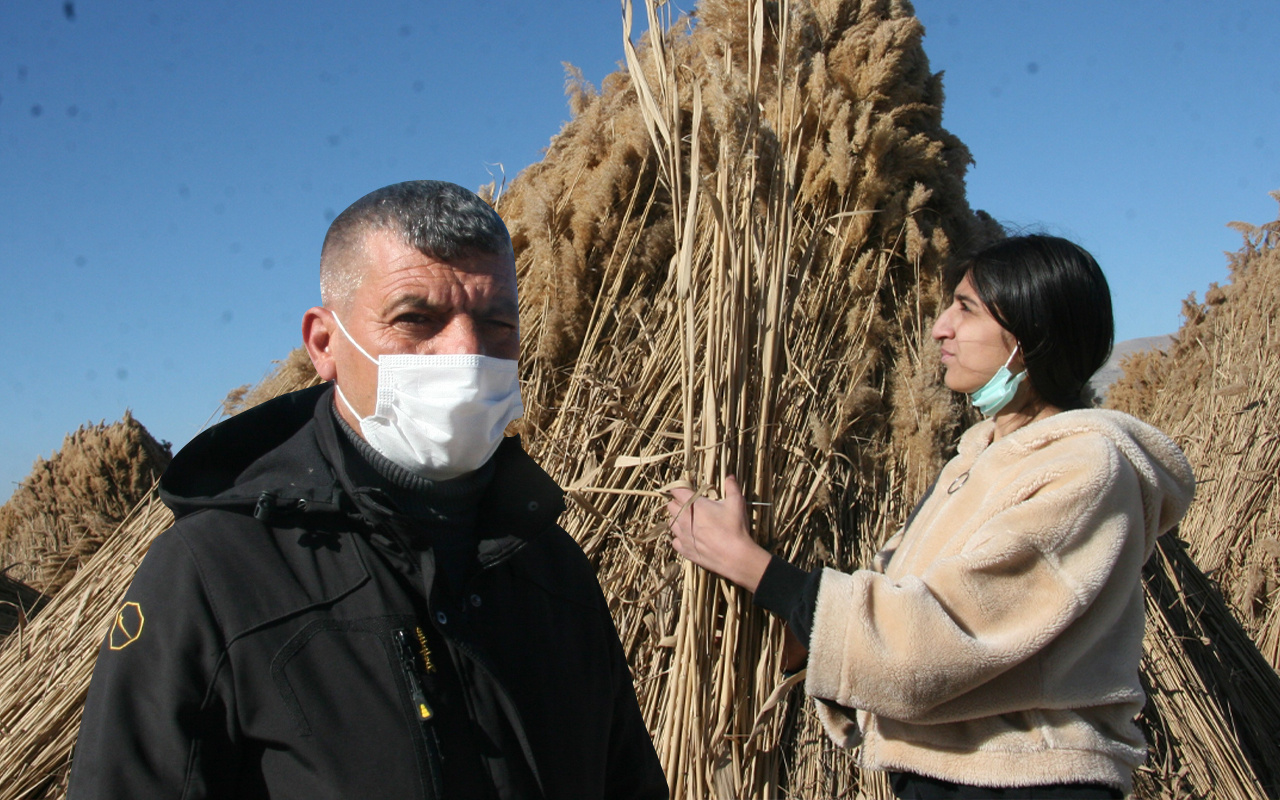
45 668
1216 391
1214 710
1213 701
727 263
65 509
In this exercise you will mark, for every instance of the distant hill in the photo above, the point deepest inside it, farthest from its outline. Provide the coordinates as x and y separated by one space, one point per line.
1111 371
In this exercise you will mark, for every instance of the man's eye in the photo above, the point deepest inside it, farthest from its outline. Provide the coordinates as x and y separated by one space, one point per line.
413 319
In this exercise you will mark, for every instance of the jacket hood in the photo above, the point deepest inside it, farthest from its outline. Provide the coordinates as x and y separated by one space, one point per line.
1164 475
268 453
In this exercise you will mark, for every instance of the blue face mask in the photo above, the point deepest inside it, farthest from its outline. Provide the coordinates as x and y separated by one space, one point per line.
997 392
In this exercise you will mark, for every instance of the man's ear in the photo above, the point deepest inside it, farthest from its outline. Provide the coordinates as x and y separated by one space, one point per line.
317 337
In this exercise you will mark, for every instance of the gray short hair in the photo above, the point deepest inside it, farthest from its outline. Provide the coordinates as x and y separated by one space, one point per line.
439 219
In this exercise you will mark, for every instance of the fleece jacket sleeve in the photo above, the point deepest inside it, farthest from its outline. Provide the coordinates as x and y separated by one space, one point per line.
1043 549
157 720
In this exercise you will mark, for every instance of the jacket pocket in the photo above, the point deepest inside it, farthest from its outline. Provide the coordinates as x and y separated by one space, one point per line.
353 698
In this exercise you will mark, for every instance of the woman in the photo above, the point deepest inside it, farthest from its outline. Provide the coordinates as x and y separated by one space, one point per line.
992 648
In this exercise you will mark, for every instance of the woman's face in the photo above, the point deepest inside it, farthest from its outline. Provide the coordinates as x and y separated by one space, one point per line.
974 345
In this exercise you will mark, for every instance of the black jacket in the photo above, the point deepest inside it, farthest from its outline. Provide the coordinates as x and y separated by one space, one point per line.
272 643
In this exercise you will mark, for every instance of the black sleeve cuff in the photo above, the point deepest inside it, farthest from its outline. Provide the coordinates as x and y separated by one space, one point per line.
790 593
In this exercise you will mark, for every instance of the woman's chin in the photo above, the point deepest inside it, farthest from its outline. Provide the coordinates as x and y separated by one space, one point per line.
956 384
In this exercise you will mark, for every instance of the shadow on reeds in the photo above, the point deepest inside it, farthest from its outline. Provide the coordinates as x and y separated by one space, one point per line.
1206 684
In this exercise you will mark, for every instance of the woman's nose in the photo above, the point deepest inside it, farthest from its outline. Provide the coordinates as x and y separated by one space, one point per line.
942 328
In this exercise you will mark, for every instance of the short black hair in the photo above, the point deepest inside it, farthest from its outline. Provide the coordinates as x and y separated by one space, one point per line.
439 219
1051 295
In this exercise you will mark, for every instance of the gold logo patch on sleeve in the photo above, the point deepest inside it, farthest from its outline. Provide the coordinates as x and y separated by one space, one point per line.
127 627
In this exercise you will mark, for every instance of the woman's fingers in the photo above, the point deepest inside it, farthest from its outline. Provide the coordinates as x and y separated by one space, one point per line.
731 489
679 501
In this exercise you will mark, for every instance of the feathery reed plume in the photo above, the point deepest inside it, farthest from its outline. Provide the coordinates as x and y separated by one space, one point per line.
65 509
1212 708
727 261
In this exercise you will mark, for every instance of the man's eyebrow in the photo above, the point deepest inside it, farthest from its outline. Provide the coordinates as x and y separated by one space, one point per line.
964 298
416 302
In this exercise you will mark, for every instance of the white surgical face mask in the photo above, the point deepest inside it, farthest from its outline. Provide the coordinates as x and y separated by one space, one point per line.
996 393
439 416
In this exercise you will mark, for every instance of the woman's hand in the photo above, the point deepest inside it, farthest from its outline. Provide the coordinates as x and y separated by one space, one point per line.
716 535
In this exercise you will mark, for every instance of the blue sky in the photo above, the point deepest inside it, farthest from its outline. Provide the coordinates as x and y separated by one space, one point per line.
167 170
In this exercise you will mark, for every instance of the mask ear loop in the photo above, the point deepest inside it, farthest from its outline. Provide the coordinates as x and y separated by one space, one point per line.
1007 361
363 352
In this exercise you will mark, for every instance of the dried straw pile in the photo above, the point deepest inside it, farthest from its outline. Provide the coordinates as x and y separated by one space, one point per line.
70 503
1217 392
727 260
45 668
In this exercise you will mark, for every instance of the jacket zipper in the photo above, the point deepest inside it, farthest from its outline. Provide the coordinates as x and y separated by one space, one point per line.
421 709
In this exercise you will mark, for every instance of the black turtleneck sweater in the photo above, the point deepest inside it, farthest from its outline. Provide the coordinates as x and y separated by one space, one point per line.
444 538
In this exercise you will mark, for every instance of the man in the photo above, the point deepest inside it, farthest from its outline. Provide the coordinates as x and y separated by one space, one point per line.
366 593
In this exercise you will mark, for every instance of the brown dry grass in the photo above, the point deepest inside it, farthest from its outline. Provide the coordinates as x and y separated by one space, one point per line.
727 260
65 509
45 668
1217 391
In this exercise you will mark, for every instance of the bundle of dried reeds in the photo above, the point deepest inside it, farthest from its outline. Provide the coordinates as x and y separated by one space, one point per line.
71 502
1216 391
45 668
727 260
1213 702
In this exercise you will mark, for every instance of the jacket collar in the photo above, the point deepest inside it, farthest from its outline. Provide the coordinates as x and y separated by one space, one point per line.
286 454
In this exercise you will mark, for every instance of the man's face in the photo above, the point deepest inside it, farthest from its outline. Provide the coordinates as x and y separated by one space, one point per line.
410 303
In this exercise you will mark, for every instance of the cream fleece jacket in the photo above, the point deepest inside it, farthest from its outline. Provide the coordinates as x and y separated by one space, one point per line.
996 641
